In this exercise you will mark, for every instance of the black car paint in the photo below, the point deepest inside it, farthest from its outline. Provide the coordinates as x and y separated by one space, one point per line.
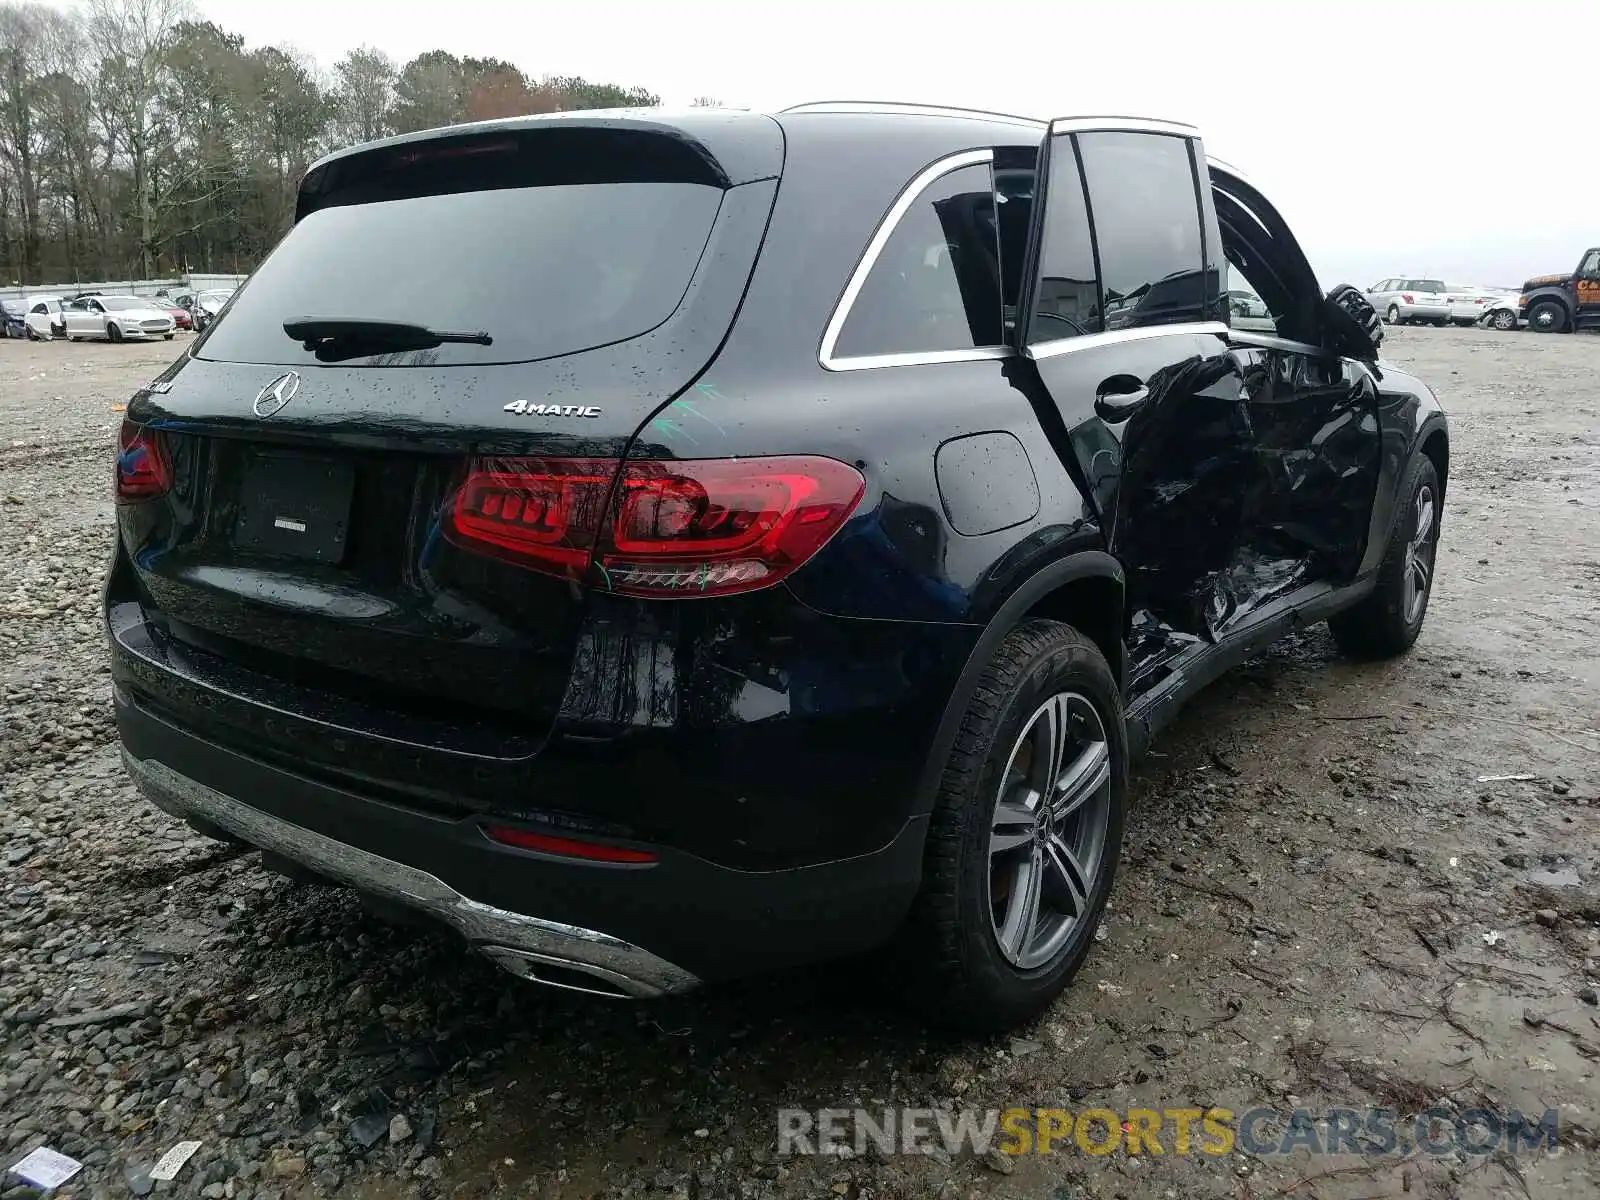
781 748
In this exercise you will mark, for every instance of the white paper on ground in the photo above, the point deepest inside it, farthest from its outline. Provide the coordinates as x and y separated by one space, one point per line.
45 1168
170 1163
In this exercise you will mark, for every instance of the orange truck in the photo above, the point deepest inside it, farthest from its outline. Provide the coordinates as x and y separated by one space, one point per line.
1566 302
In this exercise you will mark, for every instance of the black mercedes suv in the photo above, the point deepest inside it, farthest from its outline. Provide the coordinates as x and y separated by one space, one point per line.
665 547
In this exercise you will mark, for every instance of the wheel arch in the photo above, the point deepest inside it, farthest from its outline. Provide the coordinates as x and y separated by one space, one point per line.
1086 589
1436 445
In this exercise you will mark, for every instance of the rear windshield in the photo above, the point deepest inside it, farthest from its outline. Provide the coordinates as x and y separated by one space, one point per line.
544 271
1425 285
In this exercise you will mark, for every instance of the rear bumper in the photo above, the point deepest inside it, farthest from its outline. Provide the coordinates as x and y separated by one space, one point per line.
623 930
1424 312
516 939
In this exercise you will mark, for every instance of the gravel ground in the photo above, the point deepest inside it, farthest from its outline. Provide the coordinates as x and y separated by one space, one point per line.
1322 904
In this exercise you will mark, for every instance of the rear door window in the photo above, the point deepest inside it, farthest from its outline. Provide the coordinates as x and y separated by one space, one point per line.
934 286
1145 206
543 270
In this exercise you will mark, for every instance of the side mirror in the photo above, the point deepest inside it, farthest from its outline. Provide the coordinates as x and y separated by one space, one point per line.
1351 325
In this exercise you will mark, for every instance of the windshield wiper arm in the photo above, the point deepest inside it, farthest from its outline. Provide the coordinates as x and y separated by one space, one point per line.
324 333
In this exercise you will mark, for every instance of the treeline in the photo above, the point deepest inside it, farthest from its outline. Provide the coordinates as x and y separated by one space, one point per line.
138 141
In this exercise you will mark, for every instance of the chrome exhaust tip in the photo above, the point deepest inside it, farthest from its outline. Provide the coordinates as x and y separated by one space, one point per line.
570 975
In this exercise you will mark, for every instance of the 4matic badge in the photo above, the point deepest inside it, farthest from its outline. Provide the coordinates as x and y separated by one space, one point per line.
552 410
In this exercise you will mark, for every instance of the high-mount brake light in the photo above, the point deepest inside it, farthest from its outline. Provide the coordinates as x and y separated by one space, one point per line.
699 527
144 468
433 152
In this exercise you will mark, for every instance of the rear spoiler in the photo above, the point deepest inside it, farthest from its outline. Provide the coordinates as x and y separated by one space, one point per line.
722 149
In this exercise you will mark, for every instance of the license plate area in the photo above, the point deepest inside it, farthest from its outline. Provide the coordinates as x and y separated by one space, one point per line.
294 506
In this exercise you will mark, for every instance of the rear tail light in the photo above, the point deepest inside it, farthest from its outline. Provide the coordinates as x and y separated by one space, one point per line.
1406 296
702 527
144 468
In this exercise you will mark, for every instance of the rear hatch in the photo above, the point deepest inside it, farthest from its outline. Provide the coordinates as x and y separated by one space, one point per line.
289 535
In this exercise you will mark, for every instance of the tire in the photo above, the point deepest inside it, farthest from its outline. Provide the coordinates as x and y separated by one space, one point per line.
1387 621
1504 320
167 336
1393 315
33 336
1045 676
114 332
1547 316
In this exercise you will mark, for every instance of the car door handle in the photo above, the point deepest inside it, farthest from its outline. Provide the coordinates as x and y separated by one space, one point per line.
1119 397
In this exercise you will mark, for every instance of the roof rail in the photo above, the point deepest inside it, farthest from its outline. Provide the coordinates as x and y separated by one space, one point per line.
914 110
1122 123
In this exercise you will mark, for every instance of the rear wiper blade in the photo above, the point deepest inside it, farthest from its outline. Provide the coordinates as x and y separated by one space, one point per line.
331 334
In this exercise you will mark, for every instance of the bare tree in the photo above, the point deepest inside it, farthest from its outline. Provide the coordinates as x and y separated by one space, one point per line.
135 138
363 97
24 42
131 38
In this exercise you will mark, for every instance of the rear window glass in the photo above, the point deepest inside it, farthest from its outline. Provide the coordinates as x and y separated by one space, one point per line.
544 271
1425 285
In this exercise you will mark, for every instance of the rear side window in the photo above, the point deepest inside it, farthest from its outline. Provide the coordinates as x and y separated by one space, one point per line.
1146 210
935 285
545 270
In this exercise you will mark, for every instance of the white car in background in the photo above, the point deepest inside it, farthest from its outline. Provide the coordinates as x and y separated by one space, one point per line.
117 318
44 319
1246 310
208 304
1467 303
1504 312
1404 299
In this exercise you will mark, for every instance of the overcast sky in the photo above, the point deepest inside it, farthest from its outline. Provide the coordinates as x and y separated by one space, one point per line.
1396 136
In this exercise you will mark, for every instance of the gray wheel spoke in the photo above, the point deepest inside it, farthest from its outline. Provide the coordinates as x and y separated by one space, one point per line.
1056 725
1013 827
1084 776
1424 517
1022 915
1421 566
1419 557
1066 882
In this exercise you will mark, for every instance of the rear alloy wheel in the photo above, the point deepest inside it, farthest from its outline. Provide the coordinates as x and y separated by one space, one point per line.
1393 315
1388 620
114 332
1547 316
1025 834
1049 830
1504 319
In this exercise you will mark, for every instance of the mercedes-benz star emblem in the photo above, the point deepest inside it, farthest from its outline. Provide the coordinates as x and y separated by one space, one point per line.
276 394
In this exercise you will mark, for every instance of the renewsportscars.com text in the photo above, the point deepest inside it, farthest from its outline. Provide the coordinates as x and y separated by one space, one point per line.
1370 1132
